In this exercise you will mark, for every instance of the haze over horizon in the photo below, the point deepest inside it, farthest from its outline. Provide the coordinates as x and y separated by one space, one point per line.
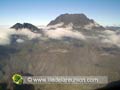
42 12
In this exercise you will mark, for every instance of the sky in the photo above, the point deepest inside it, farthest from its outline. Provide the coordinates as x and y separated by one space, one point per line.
41 12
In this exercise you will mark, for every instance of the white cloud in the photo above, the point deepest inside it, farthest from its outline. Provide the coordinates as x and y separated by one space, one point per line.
28 33
54 26
5 34
107 36
91 25
111 37
60 33
20 40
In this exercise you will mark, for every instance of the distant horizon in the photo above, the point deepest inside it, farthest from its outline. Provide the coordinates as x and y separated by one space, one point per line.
37 12
9 25
45 24
53 19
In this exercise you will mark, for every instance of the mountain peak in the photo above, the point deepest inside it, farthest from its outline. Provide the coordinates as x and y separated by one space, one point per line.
18 26
77 20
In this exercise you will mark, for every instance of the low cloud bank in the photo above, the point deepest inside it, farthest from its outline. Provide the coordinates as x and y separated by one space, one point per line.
58 32
5 35
111 37
28 33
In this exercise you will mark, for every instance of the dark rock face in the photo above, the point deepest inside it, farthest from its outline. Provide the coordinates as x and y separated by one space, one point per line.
111 86
3 86
79 20
76 19
30 26
5 51
18 26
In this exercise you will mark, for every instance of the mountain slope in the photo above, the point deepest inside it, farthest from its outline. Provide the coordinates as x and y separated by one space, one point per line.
29 26
76 20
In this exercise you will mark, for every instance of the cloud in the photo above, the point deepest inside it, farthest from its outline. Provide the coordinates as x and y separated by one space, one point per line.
19 40
5 35
91 25
54 26
107 36
60 33
30 35
111 37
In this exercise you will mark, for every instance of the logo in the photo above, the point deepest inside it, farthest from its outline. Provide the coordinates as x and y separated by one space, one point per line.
17 79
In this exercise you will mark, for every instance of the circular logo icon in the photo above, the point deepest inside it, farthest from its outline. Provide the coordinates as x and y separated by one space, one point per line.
17 79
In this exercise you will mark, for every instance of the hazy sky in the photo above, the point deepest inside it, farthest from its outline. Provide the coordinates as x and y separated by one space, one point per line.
40 12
